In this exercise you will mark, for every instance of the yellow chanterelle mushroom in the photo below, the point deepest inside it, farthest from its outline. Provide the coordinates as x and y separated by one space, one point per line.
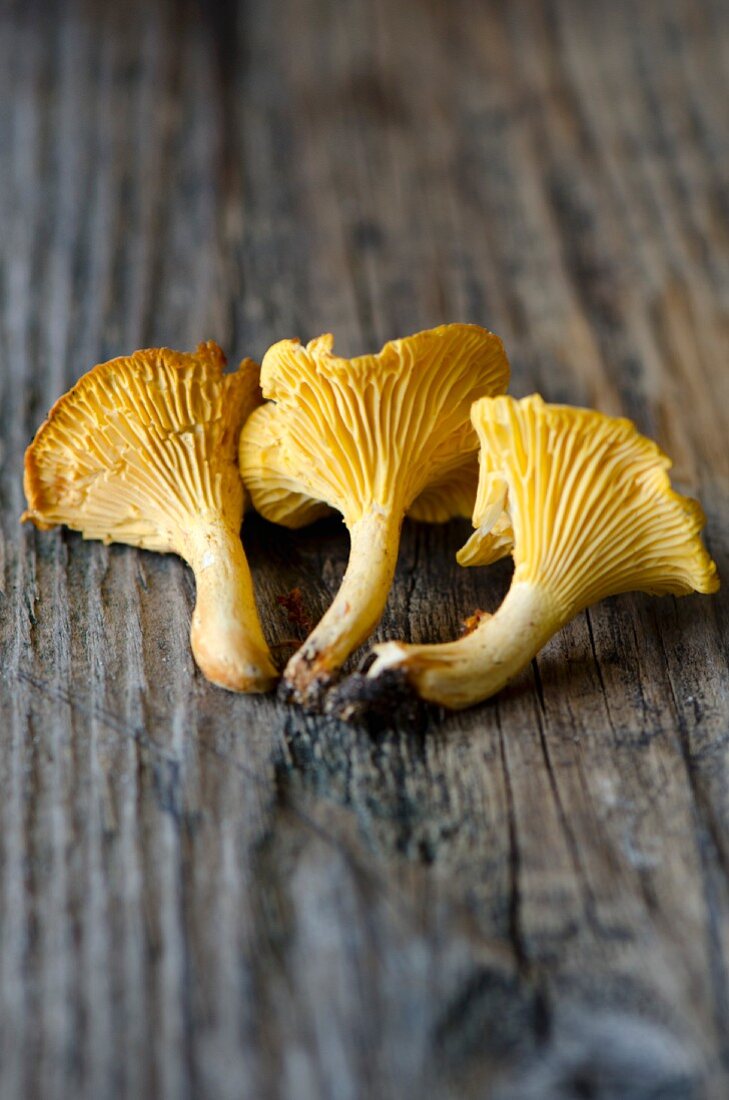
374 438
584 504
143 451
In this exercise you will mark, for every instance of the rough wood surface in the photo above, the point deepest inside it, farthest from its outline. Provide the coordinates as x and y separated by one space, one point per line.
210 896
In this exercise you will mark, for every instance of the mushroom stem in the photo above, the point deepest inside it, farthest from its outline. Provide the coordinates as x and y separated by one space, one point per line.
355 610
460 673
226 635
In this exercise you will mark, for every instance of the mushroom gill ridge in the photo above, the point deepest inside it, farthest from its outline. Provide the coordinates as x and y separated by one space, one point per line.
586 504
375 428
367 437
134 449
590 502
142 450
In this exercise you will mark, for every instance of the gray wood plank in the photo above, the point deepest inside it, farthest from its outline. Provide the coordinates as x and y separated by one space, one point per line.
210 896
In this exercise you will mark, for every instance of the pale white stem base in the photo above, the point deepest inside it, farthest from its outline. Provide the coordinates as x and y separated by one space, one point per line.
460 673
355 610
226 635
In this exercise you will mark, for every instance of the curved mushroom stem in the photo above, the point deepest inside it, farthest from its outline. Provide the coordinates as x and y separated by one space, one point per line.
467 671
355 610
226 636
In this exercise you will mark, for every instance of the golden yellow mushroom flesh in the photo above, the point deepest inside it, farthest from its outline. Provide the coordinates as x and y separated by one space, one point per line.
585 505
374 438
143 450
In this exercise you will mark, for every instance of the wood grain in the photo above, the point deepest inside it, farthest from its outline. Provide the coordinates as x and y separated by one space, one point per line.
210 896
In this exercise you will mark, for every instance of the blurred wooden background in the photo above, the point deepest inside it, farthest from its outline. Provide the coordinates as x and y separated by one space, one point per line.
210 896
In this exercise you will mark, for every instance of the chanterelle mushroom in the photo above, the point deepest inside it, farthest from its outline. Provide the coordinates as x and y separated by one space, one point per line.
374 437
593 515
143 450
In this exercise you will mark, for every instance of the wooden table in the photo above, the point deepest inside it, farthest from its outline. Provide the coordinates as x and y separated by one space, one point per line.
204 895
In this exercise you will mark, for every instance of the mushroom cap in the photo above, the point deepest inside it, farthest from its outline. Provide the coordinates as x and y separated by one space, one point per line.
142 447
452 494
378 430
590 502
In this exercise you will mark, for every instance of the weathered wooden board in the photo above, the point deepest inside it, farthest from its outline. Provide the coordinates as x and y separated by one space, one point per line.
210 896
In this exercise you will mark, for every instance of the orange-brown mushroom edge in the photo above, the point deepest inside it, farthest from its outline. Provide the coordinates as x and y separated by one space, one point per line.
375 438
143 450
585 505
